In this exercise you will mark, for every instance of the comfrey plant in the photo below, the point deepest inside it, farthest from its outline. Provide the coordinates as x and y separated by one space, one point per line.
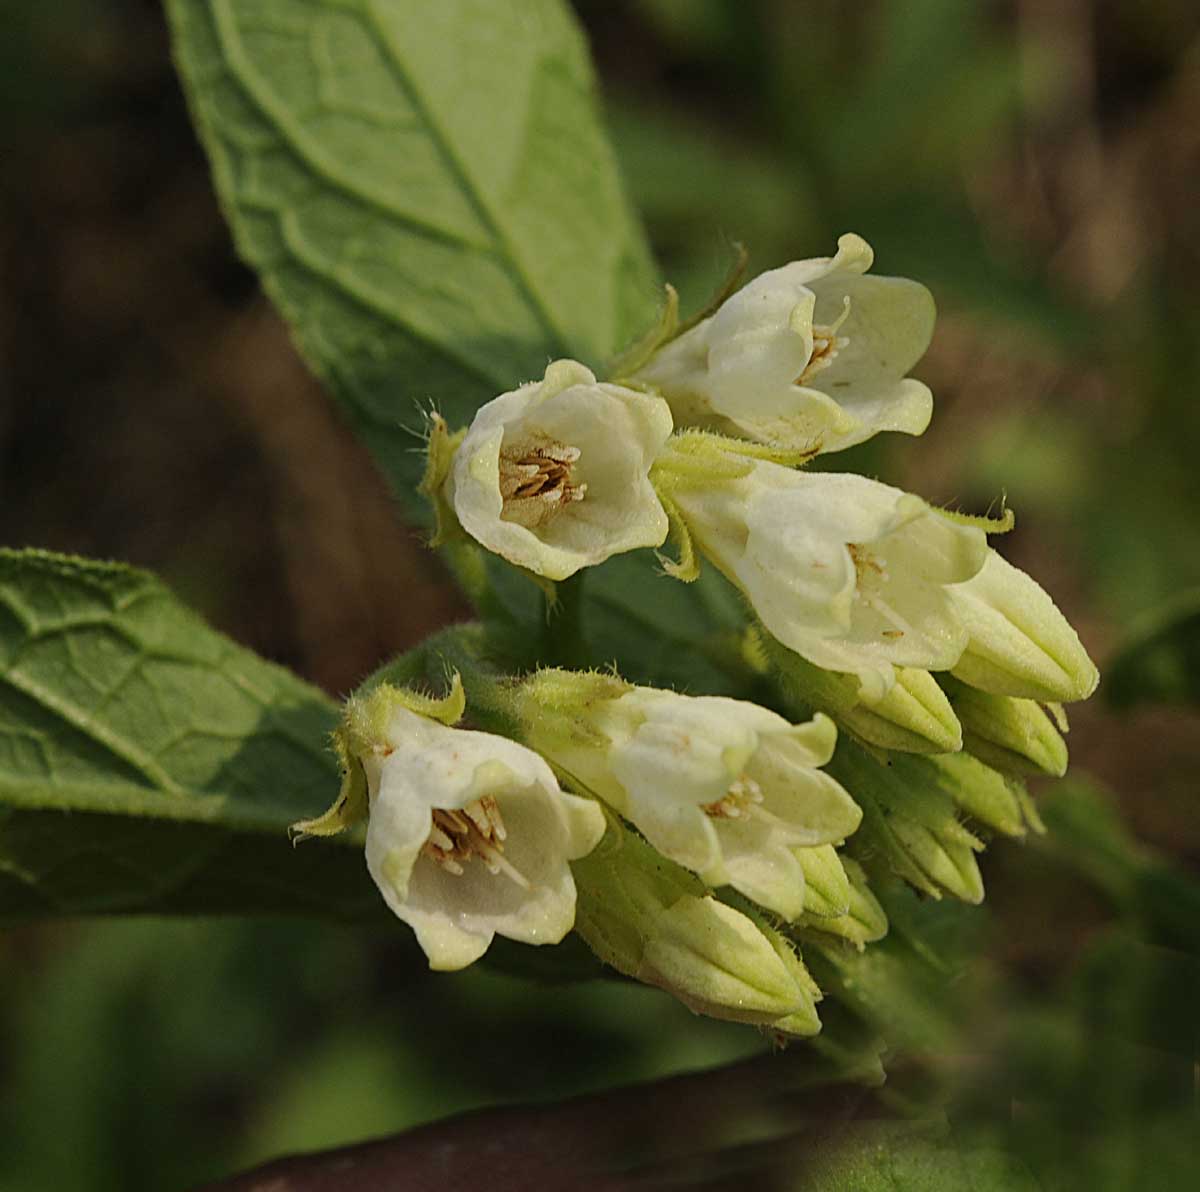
745 699
705 839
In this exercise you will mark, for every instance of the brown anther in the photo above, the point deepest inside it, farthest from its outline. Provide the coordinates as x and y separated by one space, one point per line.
536 481
826 345
864 561
741 797
476 830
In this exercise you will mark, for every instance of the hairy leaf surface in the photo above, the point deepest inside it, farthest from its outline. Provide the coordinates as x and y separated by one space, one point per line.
147 763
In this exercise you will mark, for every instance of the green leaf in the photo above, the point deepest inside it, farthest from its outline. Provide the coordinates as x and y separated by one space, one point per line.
1085 835
426 191
147 763
430 199
1160 662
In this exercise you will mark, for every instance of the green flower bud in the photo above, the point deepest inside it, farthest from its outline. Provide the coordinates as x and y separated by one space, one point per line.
717 962
863 921
910 817
1020 644
826 883
652 920
943 857
913 715
998 800
1014 735
803 1022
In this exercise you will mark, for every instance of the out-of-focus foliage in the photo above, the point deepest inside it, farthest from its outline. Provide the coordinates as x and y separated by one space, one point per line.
1160 660
1035 164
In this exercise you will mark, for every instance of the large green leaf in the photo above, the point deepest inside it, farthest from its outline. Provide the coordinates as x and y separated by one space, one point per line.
149 764
428 195
425 189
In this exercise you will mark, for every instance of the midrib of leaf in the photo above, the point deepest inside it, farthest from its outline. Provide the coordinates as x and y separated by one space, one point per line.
504 250
470 186
225 22
122 749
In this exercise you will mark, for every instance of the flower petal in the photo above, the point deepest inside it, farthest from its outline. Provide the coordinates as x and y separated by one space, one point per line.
616 431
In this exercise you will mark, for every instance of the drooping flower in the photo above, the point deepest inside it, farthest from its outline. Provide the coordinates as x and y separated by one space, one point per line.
721 786
468 834
851 574
554 475
814 353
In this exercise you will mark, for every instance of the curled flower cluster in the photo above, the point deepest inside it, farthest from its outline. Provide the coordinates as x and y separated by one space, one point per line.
694 842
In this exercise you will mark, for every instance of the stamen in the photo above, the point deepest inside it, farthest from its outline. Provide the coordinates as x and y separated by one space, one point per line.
440 840
826 345
537 481
742 798
499 831
479 817
476 830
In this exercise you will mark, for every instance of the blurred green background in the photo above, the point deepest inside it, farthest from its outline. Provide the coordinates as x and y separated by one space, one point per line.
1036 163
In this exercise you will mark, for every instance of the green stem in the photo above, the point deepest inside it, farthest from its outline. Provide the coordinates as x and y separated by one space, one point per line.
564 642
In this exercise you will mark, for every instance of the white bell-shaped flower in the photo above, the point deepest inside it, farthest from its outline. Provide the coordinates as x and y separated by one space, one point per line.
469 835
554 475
853 575
721 786
812 354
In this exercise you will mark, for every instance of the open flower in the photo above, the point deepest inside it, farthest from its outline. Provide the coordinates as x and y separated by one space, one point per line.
853 575
814 353
554 475
469 835
721 786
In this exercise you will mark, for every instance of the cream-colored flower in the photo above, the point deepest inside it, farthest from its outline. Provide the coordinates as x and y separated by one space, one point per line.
554 475
814 353
469 835
853 575
721 786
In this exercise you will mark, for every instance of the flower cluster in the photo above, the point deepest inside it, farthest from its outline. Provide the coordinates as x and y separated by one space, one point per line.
471 835
694 841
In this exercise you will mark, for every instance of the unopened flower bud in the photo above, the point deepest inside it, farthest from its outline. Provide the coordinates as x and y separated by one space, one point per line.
717 962
863 921
1009 734
1020 644
913 822
998 800
653 920
913 715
